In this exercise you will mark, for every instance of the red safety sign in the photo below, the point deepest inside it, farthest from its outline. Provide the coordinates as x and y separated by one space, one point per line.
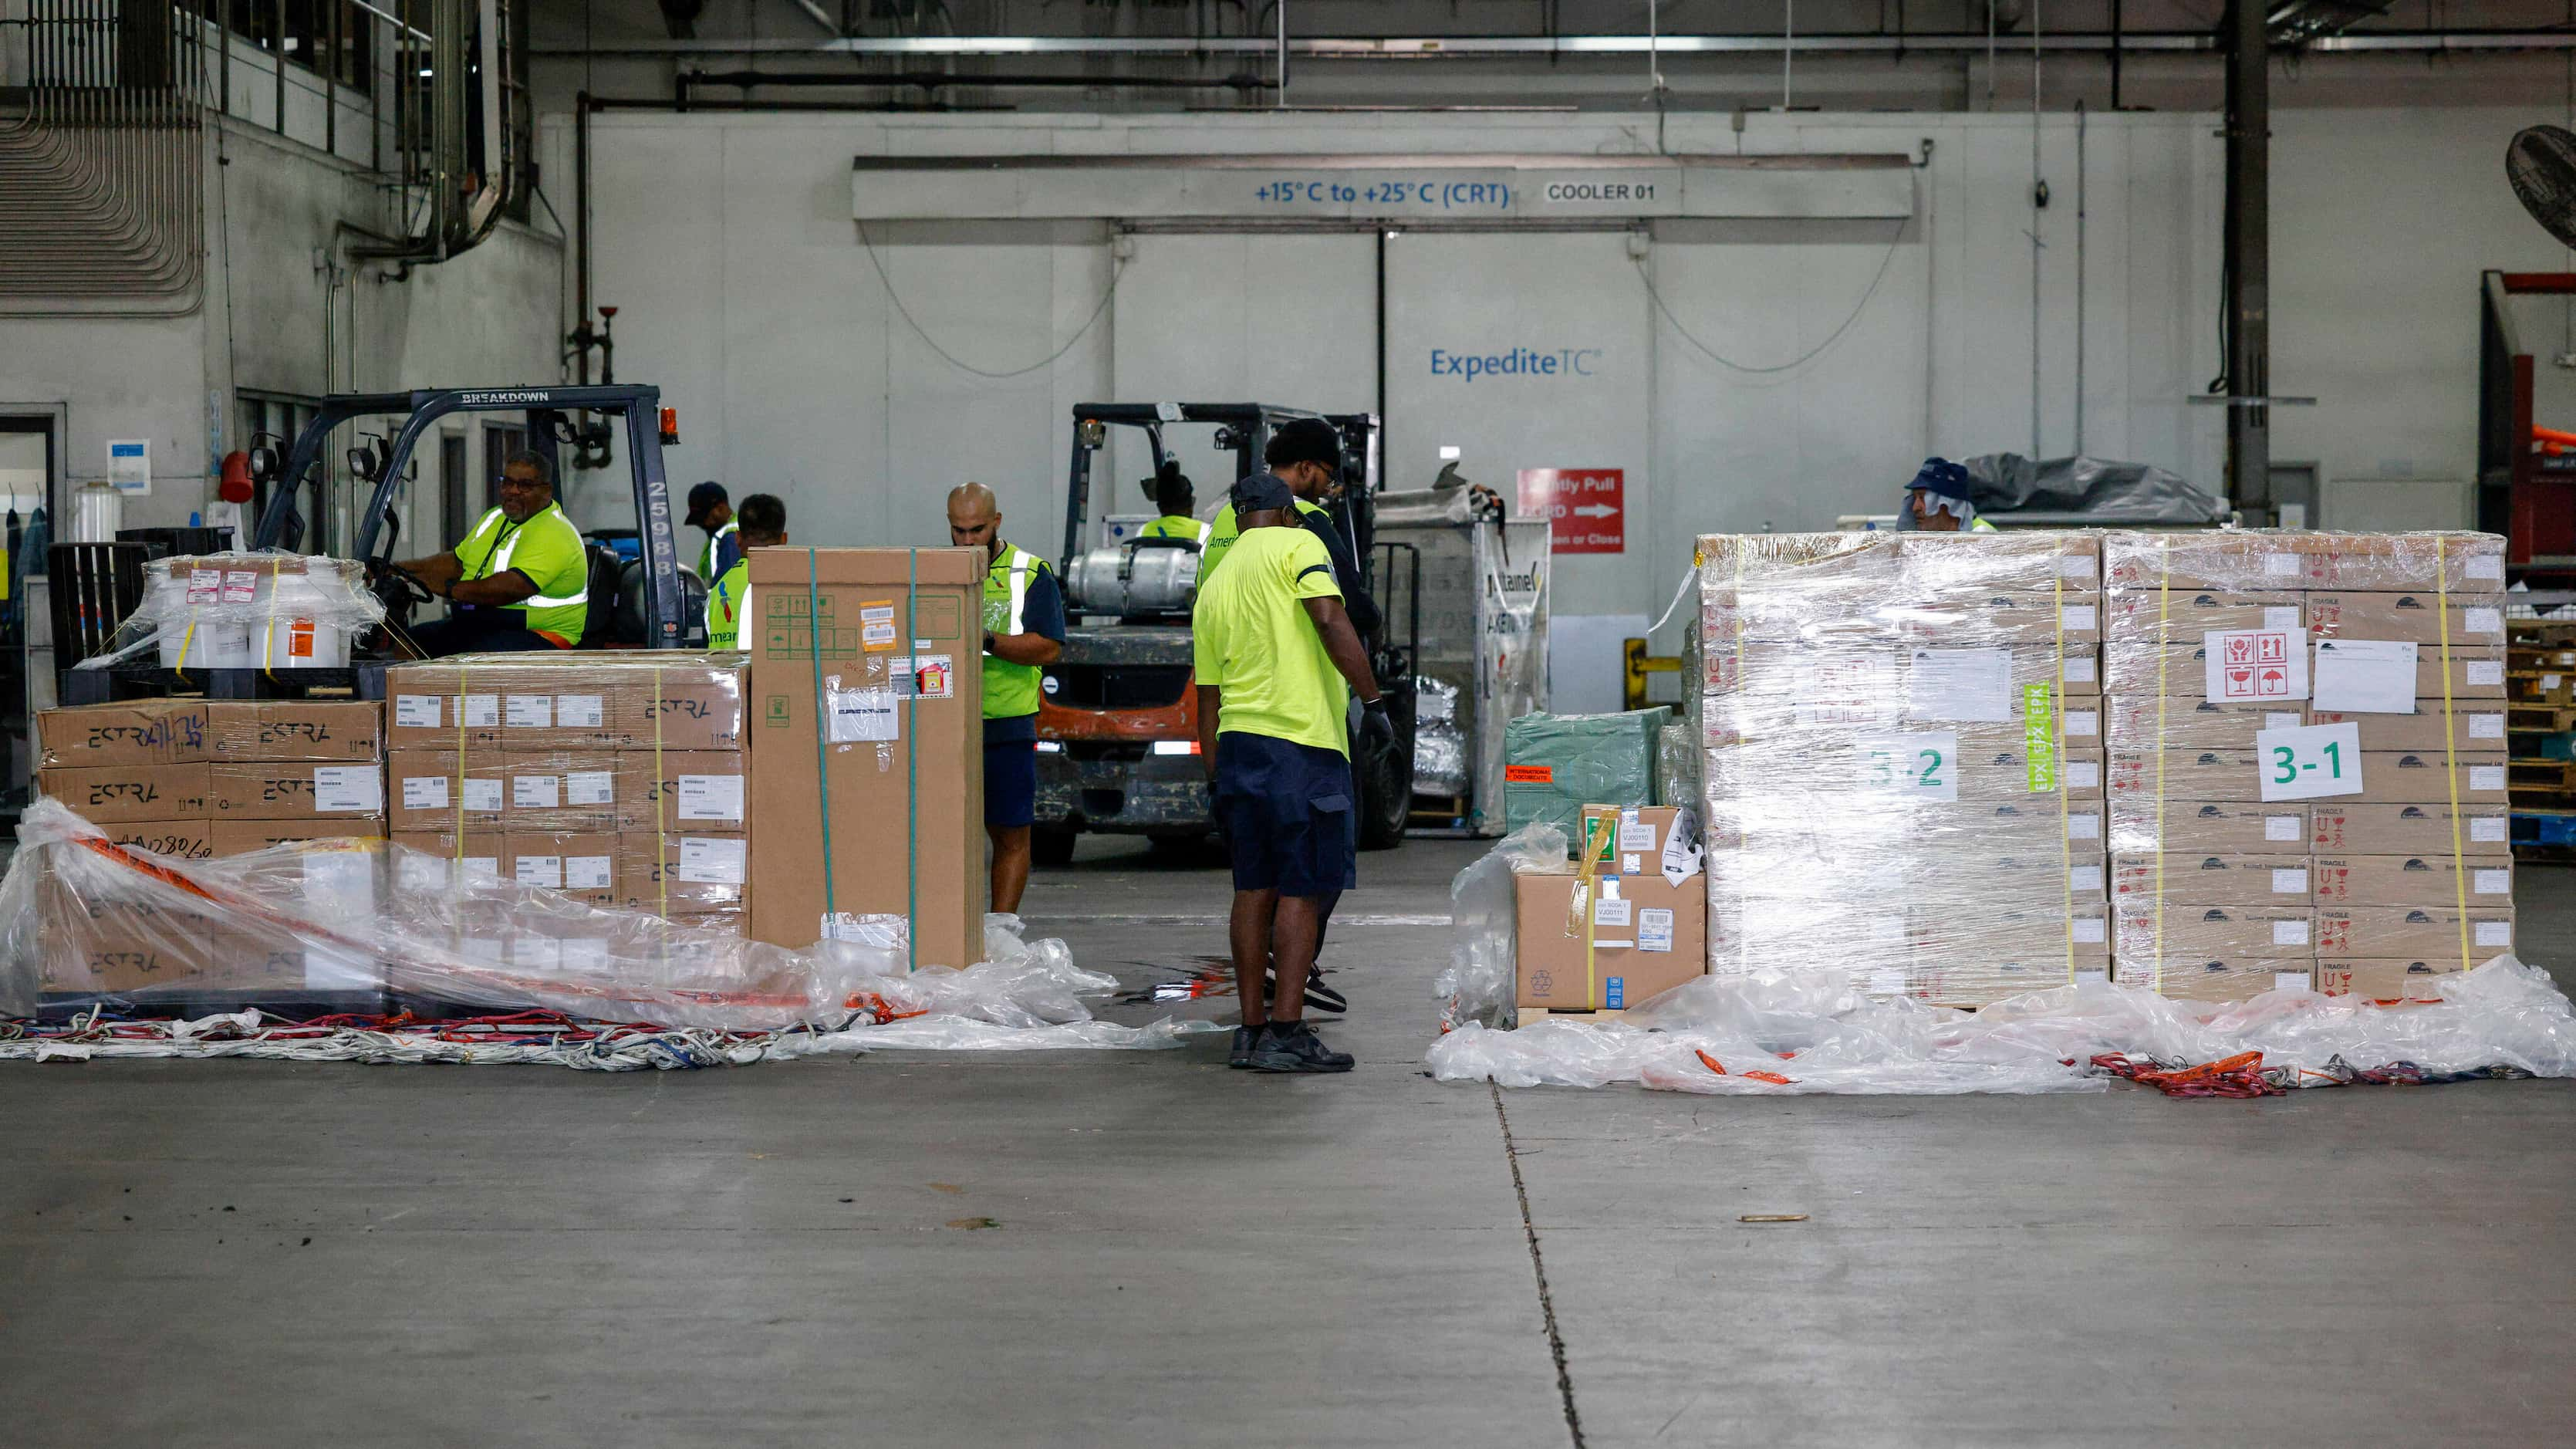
1585 507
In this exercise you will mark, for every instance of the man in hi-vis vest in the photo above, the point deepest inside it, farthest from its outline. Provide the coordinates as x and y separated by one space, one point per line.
520 579
1023 634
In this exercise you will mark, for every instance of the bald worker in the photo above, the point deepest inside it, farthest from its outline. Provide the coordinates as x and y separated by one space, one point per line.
1023 634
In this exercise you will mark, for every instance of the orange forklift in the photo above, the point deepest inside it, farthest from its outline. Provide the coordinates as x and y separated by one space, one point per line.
1118 710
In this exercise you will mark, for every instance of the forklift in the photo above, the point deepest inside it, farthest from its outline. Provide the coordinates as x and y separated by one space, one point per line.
1118 710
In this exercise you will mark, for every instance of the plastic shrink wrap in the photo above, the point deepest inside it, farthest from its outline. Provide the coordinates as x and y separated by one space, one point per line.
244 611
1903 770
1479 983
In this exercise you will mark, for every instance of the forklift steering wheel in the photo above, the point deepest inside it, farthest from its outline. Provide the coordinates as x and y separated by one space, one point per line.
413 590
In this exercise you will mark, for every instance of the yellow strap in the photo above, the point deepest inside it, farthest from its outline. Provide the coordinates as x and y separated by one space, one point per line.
1586 891
268 645
2164 648
2057 773
2450 751
661 840
1743 937
460 773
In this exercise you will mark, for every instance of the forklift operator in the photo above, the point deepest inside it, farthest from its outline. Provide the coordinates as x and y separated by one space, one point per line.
519 580
1306 454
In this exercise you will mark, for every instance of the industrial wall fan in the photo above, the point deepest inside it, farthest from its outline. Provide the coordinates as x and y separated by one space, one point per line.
2541 163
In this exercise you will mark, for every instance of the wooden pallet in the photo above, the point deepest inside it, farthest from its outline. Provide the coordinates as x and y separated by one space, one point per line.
2539 719
2540 777
1602 1016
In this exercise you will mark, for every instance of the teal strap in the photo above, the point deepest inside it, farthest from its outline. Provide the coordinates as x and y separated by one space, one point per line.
912 767
822 729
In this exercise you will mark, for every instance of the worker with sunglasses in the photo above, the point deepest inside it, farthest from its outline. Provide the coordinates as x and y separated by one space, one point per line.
519 580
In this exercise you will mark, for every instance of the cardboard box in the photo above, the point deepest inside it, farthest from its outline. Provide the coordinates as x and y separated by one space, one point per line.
2208 826
696 708
120 794
2459 563
2419 618
2384 981
576 700
118 948
2419 777
1988 617
2183 930
673 873
426 792
2413 880
701 791
2469 728
240 837
2473 673
2217 978
582 865
2272 560
2182 616
2218 880
1648 939
2037 560
2139 721
901 774
1632 840
2226 776
2388 777
2435 933
2484 831
142 732
301 729
298 790
2180 671
436 860
560 791
179 839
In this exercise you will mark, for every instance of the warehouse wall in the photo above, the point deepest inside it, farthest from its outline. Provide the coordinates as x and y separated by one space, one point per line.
751 297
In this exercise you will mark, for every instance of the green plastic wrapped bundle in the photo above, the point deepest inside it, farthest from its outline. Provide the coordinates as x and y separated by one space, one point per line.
1555 764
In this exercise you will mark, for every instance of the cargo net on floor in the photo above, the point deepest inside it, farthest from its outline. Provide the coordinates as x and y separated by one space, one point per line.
1781 1029
107 950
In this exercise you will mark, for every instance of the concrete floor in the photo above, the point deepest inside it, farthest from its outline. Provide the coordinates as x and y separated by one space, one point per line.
263 1253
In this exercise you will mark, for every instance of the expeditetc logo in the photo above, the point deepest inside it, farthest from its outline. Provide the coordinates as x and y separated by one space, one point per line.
1516 362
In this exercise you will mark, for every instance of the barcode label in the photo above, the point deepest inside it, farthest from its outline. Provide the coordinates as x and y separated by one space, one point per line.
416 711
580 711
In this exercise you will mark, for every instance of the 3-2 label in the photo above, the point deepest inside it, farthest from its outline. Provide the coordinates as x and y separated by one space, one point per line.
1920 766
2310 762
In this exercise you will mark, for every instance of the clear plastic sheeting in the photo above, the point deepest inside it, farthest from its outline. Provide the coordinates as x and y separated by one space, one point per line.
372 927
1786 1033
245 611
1479 985
2089 490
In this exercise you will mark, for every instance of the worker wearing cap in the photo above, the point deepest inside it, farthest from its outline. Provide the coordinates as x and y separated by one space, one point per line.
1174 495
1023 634
519 580
763 523
1277 662
1306 454
712 510
1937 500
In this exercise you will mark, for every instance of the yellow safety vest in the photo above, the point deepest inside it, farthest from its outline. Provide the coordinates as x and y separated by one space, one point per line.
1010 689
728 601
549 551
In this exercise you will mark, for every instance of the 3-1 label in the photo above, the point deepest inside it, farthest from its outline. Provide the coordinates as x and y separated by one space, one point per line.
2309 762
1920 766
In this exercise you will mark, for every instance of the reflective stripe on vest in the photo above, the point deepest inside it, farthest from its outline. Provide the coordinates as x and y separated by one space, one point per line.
1011 690
500 563
714 550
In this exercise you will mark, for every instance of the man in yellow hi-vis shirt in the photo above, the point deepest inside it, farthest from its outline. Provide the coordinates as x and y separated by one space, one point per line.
520 579
1305 454
761 522
1277 662
1174 495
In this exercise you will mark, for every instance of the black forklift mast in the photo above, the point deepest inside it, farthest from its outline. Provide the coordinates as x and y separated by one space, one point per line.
546 410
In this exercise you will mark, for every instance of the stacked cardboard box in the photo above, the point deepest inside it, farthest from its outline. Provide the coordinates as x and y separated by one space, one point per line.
1904 780
202 779
1634 926
618 779
2380 858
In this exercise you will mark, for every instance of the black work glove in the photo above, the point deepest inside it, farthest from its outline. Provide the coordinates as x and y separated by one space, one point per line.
1377 726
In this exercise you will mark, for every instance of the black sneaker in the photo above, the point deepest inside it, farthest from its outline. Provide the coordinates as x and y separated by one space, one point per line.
1296 1049
1246 1038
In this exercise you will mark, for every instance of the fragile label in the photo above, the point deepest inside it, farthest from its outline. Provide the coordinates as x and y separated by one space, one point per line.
862 715
590 787
2289 933
535 792
529 712
580 711
1959 684
481 795
2309 763
416 711
2486 726
424 792
2290 882
539 870
2254 664
2487 830
586 872
2494 933
1655 929
479 711
713 860
2280 827
2085 930
2084 825
711 797
2491 882
1529 774
2366 676
348 789
2483 672
1918 766
2486 777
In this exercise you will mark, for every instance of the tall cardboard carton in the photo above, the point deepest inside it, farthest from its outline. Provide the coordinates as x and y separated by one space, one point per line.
866 724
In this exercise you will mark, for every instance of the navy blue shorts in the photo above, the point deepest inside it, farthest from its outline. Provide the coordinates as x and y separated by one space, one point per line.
1290 817
1011 782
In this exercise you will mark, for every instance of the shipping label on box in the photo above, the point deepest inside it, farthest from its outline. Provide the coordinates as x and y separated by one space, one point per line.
2473 830
2471 673
108 795
2150 616
2432 932
2468 728
680 873
2412 880
2419 777
2418 618
2140 721
439 861
261 790
2222 880
2207 826
582 865
698 790
2215 978
2183 929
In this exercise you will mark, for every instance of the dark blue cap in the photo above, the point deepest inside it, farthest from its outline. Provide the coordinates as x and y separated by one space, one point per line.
1258 491
1943 478
701 498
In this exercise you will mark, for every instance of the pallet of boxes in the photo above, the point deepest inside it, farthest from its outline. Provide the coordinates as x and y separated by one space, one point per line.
2307 760
1904 769
616 779
2540 710
200 779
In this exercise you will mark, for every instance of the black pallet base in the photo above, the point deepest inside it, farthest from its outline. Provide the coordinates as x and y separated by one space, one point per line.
55 1008
364 680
